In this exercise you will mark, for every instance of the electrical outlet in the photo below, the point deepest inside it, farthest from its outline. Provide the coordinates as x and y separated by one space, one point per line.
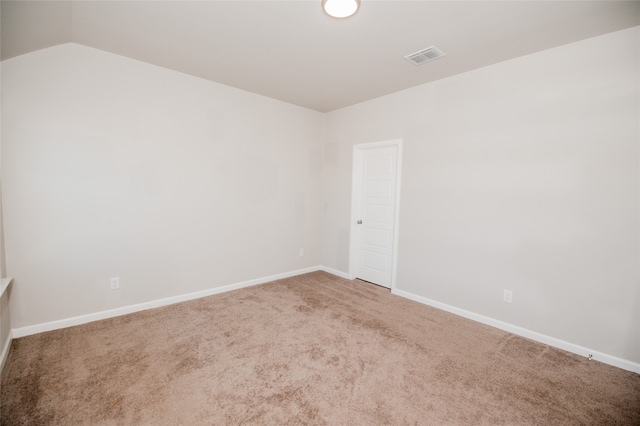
301 252
115 283
508 296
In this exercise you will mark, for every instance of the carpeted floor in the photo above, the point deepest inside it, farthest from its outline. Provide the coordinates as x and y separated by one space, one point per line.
313 349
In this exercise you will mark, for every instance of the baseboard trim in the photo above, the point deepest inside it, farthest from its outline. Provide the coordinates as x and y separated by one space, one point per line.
532 335
335 272
5 351
542 338
97 316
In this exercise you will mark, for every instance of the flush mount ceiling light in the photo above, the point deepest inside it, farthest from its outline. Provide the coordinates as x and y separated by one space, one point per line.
340 8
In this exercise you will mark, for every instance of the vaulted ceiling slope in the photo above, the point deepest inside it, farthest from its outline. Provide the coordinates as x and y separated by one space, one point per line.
292 51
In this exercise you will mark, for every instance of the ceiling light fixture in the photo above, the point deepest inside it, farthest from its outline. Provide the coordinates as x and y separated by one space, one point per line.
340 8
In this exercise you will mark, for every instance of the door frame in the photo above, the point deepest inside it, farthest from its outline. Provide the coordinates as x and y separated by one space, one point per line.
356 192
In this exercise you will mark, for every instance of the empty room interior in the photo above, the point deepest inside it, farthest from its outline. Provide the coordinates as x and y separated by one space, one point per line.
254 212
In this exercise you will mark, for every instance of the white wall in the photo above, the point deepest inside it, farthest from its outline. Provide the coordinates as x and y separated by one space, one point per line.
522 175
5 318
113 167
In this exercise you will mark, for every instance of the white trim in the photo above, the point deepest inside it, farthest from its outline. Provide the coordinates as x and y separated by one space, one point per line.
396 224
538 337
5 351
4 284
83 319
335 272
355 197
356 172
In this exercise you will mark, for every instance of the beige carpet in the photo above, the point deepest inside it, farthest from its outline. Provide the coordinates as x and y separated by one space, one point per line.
313 349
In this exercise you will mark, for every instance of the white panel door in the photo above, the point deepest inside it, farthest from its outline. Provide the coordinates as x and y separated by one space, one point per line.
376 214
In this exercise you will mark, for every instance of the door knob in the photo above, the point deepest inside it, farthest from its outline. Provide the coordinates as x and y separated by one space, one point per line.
359 222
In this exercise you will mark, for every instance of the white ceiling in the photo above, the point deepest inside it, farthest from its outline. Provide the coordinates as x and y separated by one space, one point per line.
292 51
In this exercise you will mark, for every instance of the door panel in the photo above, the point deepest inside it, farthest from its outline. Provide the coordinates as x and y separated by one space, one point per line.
376 206
378 189
375 237
376 213
374 261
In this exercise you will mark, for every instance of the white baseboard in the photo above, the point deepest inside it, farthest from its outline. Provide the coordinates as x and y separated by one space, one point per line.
532 335
83 319
335 272
5 351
